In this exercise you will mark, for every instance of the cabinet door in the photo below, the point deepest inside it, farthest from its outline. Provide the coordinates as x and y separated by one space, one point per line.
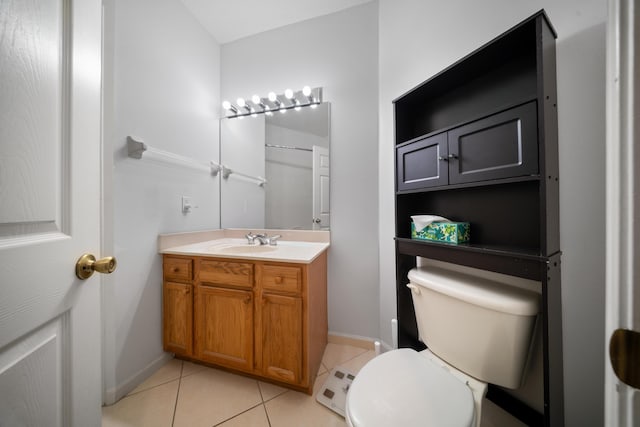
178 318
224 327
500 146
281 337
422 163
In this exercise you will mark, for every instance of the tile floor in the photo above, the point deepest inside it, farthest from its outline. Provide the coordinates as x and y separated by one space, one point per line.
185 394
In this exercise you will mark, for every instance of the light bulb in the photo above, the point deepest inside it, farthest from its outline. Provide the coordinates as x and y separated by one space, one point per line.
288 93
306 91
240 102
226 105
272 96
256 99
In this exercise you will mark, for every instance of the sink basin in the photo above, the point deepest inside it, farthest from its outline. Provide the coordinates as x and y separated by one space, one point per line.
246 249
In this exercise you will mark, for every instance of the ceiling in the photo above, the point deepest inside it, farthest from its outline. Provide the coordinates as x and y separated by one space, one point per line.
229 20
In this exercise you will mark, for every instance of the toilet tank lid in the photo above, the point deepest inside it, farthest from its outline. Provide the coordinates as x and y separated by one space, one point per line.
477 290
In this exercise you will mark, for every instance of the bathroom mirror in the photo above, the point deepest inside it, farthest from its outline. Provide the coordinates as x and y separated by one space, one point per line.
275 170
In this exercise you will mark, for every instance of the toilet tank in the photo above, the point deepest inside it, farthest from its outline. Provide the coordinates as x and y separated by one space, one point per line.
481 327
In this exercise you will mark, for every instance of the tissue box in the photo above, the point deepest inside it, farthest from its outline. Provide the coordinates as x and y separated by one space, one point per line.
449 232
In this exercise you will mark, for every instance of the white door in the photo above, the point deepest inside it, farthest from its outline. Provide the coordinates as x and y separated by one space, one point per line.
50 331
622 370
321 207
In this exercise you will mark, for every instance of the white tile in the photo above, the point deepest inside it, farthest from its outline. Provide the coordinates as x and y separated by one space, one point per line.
189 368
321 370
295 409
168 372
255 417
269 391
211 396
354 365
338 354
153 408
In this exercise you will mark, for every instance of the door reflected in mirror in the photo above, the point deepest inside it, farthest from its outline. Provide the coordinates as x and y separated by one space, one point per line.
276 170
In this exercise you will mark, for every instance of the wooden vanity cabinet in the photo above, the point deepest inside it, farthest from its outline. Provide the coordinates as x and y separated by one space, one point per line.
178 317
279 327
224 313
177 296
265 319
224 327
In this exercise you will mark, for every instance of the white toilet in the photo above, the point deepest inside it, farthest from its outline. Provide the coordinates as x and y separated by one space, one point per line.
477 331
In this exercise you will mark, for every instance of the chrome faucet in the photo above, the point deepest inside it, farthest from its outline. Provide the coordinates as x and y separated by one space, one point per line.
251 238
273 240
262 238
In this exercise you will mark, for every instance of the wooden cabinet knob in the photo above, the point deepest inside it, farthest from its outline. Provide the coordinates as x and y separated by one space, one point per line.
278 280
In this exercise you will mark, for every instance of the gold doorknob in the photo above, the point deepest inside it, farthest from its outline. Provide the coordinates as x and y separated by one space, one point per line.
87 264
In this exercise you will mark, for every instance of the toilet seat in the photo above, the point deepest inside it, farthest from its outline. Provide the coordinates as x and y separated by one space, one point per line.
404 388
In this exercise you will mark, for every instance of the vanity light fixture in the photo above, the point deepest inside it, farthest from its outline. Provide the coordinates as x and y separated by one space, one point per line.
227 106
242 104
289 100
260 103
306 91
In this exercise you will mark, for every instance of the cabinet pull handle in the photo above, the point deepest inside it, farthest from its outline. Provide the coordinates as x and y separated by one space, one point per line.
452 156
443 159
175 269
247 300
278 279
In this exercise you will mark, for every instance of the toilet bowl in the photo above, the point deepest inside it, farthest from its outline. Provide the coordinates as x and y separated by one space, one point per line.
409 388
477 331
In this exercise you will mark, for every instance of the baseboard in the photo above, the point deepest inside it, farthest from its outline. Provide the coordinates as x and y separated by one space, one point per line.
112 395
385 347
353 340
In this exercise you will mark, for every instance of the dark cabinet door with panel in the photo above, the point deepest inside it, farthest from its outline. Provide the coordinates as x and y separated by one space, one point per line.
503 145
422 163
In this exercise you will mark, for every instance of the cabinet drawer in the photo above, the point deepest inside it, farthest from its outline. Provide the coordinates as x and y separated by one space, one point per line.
178 269
226 273
282 278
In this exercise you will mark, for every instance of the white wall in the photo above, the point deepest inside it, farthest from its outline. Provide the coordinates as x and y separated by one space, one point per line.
161 84
340 53
418 38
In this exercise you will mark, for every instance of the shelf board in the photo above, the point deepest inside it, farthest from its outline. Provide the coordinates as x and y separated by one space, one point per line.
520 262
526 178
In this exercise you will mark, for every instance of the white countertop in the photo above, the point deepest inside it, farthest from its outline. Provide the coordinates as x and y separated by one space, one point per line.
285 251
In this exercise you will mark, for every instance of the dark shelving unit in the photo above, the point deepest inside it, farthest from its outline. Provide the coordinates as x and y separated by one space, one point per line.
478 142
